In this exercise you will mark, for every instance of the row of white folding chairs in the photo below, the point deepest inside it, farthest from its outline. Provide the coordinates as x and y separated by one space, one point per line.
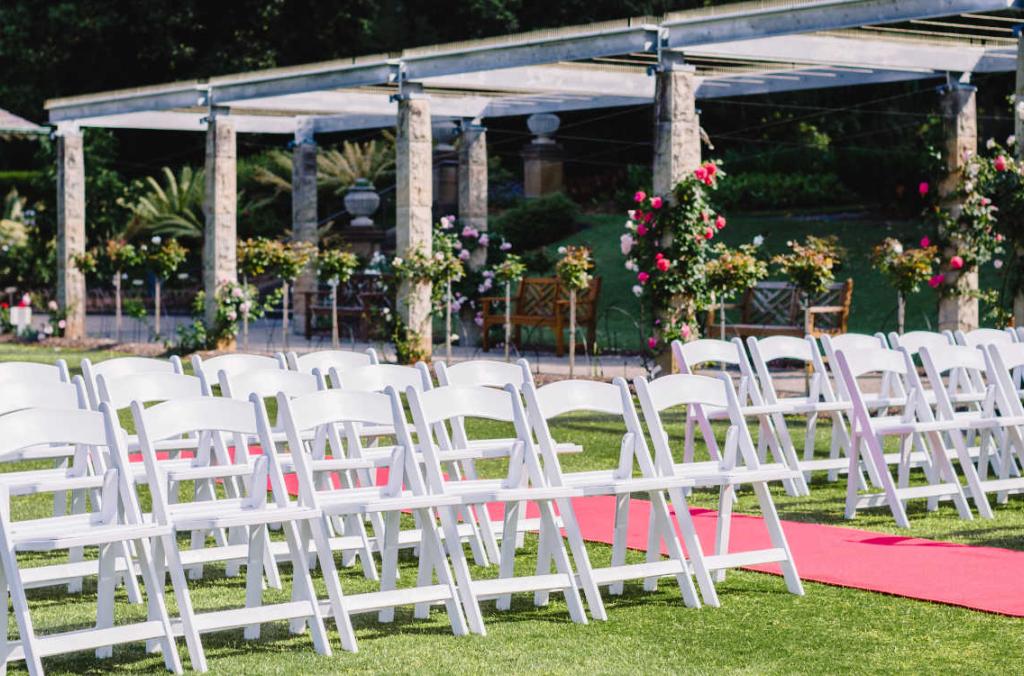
560 398
968 416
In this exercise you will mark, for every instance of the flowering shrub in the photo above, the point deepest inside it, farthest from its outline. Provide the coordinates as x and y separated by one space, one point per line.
233 300
166 260
667 246
733 271
906 269
336 266
810 265
255 256
573 268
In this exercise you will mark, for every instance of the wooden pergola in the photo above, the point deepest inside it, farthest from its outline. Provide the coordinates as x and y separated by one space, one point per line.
669 62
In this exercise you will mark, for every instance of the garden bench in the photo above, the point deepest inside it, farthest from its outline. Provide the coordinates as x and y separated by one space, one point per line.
544 301
774 309
356 299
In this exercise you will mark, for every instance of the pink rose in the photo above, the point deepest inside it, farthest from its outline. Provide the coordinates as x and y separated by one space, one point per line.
705 216
685 332
956 262
648 217
663 264
709 233
999 237
464 255
484 240
925 242
641 229
640 196
700 173
656 202
652 342
642 277
922 188
711 168
626 243
936 280
720 222
1000 163
985 201
479 319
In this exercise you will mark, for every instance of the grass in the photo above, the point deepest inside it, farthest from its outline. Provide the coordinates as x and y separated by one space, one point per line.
874 302
759 628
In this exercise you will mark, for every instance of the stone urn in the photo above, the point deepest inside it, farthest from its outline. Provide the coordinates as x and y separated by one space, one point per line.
543 126
445 134
361 201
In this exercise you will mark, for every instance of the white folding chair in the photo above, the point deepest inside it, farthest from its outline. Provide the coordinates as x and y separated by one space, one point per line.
996 425
580 396
870 426
772 435
441 405
477 527
684 390
222 419
325 360
982 337
913 341
123 366
819 401
328 412
115 523
1003 362
208 370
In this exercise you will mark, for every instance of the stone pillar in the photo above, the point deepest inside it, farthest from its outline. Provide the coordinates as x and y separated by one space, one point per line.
70 227
413 190
219 208
473 184
304 212
960 122
543 159
1018 148
676 124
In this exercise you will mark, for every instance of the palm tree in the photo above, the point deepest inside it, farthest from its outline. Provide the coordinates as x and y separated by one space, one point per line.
173 209
336 169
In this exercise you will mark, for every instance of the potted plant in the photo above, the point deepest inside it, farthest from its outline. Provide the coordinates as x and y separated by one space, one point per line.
810 266
732 272
508 272
335 267
573 270
906 269
164 262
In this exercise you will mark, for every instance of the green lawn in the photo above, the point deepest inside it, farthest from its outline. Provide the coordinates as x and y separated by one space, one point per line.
759 628
874 302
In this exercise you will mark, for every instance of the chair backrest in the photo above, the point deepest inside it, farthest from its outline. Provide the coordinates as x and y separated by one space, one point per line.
120 391
847 342
913 341
34 371
957 361
486 372
979 337
208 370
325 360
763 351
691 391
56 395
1004 362
266 383
893 365
40 426
689 356
378 377
123 366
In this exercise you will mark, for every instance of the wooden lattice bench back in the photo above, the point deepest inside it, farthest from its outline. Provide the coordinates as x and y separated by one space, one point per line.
774 309
543 301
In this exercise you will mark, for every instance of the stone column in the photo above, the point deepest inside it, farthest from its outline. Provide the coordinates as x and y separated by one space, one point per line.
304 212
676 124
219 208
70 227
413 190
1018 148
543 158
473 184
960 122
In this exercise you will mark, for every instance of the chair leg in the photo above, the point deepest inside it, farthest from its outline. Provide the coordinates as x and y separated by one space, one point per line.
726 499
460 567
508 549
254 577
778 538
336 598
693 547
434 548
302 587
389 560
619 539
654 539
562 565
19 603
179 583
542 597
660 516
579 555
156 605
105 585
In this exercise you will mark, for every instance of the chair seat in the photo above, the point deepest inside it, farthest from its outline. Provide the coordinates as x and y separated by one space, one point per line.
477 491
710 473
372 499
607 482
207 514
77 530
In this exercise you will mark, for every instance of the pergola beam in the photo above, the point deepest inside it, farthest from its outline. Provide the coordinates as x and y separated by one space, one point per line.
810 78
729 24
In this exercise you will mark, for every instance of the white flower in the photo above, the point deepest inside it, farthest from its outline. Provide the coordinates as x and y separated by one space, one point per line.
244 307
62 324
136 282
397 260
630 213
562 250
48 330
997 263
990 144
626 243
758 240
479 319
52 305
454 337
182 275
488 273
1011 140
156 240
897 247
6 248
631 265
236 292
631 226
232 316
386 311
505 246
124 275
969 186
638 290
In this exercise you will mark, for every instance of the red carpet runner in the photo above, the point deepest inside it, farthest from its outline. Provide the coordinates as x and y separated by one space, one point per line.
981 578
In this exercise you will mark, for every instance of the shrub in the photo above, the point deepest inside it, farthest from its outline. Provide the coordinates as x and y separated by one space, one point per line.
536 222
783 190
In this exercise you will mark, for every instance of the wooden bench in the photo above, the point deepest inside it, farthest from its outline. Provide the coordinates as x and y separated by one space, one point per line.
774 309
355 300
543 301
